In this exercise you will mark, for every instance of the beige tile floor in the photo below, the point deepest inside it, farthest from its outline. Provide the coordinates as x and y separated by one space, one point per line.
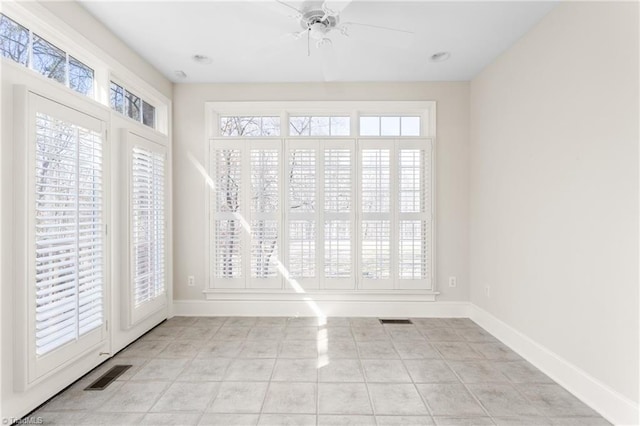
291 371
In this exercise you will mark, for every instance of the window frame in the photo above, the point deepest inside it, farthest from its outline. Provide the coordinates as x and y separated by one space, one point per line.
136 314
426 110
39 20
53 36
391 115
31 369
143 99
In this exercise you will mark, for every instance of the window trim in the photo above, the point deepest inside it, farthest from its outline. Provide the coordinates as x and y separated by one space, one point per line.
143 100
354 109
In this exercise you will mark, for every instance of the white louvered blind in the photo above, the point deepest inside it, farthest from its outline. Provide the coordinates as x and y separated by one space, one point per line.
376 249
337 249
302 180
265 212
69 240
414 215
376 180
376 213
246 218
302 211
148 224
412 249
322 213
227 229
395 218
302 248
338 187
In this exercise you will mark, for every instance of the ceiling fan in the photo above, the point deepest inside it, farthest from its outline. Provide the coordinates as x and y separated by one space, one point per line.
319 22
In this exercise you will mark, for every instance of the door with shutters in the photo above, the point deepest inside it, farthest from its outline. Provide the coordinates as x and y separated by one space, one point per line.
147 189
67 262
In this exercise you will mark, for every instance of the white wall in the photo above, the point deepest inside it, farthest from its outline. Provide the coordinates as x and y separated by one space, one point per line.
554 189
452 167
14 404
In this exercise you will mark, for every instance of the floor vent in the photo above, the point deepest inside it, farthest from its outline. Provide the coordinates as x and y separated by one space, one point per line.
395 321
107 378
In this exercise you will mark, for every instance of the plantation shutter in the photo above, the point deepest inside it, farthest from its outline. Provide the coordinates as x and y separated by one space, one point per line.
148 180
303 175
265 213
229 244
338 214
414 214
376 225
68 238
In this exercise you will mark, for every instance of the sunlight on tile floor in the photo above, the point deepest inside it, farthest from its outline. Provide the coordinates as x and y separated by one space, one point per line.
290 371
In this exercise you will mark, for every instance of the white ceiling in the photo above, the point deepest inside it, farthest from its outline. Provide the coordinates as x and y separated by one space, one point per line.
249 41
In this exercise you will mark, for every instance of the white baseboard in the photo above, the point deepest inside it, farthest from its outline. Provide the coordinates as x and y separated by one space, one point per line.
373 307
613 406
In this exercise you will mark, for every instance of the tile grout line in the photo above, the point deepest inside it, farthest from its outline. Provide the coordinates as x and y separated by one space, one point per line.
496 363
364 376
473 395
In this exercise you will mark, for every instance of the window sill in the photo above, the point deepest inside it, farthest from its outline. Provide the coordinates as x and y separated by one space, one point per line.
322 295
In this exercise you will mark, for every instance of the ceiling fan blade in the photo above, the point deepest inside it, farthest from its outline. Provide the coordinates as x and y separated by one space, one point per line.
348 24
289 6
377 34
297 35
334 8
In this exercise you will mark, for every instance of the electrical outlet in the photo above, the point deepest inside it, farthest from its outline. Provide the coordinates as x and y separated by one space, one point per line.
487 289
452 282
191 281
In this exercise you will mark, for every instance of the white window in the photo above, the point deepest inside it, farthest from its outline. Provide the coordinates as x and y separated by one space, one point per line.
131 105
339 212
148 235
302 213
265 211
246 213
390 126
28 48
320 215
317 209
376 214
319 126
396 213
249 126
68 243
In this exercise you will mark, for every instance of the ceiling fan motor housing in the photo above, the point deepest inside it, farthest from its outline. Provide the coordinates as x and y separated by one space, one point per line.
318 23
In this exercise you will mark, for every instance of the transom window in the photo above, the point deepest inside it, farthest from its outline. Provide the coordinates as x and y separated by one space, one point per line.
31 50
390 126
319 126
131 105
249 126
320 209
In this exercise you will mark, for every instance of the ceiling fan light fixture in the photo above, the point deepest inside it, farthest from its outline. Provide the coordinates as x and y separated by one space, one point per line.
202 59
317 30
325 42
440 56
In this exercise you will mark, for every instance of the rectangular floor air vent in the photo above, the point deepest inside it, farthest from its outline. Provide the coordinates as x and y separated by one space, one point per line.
107 378
395 321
